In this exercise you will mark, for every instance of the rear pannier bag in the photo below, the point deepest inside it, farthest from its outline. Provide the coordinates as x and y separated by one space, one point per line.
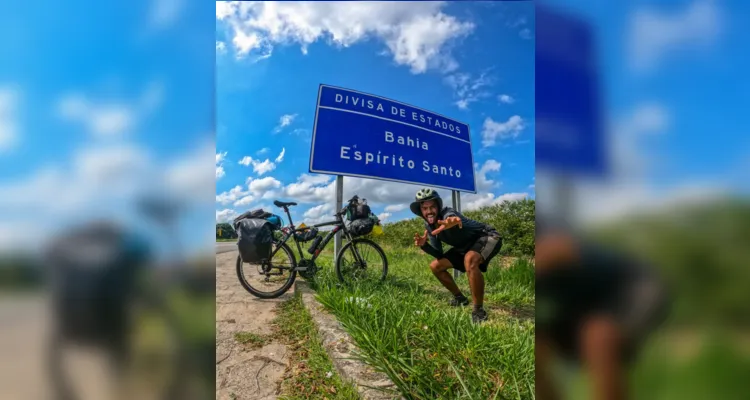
362 226
255 241
253 214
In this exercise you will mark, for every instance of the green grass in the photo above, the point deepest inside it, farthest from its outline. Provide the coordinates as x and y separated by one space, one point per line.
680 365
251 340
226 240
406 329
312 375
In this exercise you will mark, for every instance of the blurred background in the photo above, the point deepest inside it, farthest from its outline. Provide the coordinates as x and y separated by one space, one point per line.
642 146
106 200
106 192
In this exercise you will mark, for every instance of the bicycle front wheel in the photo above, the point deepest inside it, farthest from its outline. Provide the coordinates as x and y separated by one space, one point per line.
359 260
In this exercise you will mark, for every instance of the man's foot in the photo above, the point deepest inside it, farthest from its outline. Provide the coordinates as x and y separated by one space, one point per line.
459 300
479 315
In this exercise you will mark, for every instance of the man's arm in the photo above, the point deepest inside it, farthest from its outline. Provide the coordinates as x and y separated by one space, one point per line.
433 247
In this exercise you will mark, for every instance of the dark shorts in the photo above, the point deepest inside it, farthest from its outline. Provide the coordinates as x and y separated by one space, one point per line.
487 246
638 307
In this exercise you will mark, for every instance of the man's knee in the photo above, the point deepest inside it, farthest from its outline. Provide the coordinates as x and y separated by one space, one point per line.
600 335
472 260
440 265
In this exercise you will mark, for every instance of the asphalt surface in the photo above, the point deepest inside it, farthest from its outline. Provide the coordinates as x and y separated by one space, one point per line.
225 247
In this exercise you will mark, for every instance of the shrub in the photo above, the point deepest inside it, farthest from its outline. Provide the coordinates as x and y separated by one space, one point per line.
515 220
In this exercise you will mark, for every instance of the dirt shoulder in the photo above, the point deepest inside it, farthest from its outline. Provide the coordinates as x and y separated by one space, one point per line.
245 371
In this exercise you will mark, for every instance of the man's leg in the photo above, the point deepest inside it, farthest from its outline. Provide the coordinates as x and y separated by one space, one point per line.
545 386
476 261
440 270
601 344
472 261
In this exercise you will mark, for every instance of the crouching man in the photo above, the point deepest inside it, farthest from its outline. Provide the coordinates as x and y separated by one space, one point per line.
473 245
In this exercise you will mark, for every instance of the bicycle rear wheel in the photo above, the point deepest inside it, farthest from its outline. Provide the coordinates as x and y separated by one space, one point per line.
360 260
260 279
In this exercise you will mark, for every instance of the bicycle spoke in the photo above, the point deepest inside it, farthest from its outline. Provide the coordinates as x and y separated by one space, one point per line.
361 261
268 277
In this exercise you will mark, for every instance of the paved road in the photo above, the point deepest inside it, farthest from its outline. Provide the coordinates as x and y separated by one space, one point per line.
225 247
24 323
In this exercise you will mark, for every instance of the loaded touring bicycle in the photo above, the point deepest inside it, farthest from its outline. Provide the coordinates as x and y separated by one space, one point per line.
267 265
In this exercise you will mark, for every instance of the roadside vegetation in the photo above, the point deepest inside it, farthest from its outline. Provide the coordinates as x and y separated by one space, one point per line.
311 374
406 328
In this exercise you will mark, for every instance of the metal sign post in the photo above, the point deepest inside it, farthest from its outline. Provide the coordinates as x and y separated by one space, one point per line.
339 206
456 199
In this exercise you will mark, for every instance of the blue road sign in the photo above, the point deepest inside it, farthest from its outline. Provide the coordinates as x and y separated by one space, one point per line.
568 121
367 136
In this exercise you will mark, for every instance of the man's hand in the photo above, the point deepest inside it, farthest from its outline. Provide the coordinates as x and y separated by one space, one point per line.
419 241
448 223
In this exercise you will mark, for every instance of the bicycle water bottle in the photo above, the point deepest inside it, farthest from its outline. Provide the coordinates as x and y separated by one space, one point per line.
314 245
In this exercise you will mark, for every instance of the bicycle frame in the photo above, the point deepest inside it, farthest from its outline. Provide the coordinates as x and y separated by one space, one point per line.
338 225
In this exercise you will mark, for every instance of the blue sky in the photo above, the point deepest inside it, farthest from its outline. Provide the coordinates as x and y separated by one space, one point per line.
100 102
674 90
472 62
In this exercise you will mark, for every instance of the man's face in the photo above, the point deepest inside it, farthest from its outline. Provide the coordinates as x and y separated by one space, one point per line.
429 211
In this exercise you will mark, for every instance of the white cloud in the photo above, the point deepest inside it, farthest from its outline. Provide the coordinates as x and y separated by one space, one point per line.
600 204
280 158
396 207
245 201
107 118
101 120
122 167
318 211
471 202
220 157
318 214
507 99
263 167
226 215
258 186
649 118
232 195
284 121
468 90
493 131
9 135
311 189
259 167
221 47
246 161
654 35
630 157
417 34
189 175
483 183
166 12
263 151
322 189
525 33
383 217
109 175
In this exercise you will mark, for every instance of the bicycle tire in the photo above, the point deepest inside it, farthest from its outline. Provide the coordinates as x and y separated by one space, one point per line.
369 242
276 293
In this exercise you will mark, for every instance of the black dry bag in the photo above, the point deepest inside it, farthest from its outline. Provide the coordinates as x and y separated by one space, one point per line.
255 240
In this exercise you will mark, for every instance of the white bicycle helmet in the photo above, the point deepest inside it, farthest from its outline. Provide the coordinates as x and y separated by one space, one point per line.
425 194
